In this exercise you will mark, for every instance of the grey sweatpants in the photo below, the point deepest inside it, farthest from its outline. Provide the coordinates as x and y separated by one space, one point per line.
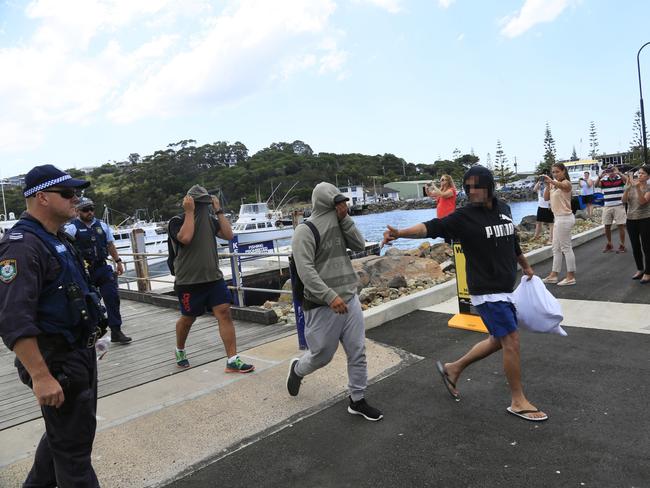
324 329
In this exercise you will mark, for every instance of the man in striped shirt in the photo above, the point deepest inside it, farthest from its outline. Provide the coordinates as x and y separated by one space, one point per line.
612 182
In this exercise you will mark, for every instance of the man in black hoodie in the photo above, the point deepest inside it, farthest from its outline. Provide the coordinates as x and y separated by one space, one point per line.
491 247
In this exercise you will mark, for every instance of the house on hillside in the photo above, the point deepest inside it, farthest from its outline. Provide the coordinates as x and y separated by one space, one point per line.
354 193
382 194
14 181
409 189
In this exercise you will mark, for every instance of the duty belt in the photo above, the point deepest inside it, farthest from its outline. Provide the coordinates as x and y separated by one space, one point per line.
92 339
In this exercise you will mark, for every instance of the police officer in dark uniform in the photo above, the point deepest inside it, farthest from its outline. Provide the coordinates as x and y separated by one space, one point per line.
49 317
94 241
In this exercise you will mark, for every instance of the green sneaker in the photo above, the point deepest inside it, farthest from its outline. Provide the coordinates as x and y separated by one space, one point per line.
181 359
238 366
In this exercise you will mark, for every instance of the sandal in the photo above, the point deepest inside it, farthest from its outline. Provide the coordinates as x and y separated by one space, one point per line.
621 250
566 282
608 248
550 279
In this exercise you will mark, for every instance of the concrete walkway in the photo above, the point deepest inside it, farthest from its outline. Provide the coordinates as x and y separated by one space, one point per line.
204 427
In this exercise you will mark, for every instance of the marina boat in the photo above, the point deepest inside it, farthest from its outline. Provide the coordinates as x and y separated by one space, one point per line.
258 223
5 225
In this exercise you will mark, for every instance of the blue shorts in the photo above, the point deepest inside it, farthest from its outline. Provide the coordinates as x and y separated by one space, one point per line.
195 300
500 318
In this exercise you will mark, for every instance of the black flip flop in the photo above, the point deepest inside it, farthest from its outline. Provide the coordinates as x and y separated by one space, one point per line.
522 415
450 385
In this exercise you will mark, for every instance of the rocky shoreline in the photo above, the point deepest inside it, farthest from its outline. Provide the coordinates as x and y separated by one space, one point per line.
403 272
423 203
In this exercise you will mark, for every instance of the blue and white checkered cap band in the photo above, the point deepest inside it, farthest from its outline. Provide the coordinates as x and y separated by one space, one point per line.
46 184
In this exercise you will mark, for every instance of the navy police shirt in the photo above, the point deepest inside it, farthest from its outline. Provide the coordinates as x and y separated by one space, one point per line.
26 266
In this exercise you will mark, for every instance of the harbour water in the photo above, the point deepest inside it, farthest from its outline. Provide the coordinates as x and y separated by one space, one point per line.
372 226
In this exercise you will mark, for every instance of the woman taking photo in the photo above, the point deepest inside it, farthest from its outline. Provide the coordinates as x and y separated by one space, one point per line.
445 195
637 197
544 214
558 192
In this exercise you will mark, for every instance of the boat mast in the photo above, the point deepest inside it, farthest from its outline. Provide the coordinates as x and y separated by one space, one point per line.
4 204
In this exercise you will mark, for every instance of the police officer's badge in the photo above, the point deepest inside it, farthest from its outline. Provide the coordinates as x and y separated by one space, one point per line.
8 270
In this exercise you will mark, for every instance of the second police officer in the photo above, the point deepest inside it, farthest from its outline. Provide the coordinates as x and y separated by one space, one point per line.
94 240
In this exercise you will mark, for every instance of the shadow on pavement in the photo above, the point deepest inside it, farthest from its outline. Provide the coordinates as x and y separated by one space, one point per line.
593 384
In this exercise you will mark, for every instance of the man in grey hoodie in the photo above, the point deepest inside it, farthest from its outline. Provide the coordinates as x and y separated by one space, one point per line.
332 309
199 282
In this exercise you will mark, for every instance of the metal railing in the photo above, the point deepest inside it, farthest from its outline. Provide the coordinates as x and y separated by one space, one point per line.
142 271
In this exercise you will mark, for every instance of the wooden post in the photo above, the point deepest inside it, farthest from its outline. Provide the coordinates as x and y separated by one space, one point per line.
140 261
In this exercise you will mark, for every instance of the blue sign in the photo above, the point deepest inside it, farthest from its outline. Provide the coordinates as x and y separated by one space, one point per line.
266 247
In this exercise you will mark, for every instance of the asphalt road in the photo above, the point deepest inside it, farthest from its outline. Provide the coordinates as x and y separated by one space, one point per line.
593 384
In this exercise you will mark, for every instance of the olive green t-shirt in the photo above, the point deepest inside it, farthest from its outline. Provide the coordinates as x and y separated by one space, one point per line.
196 262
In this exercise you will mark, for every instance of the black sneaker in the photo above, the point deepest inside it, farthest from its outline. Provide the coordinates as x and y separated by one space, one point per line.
293 379
118 336
362 408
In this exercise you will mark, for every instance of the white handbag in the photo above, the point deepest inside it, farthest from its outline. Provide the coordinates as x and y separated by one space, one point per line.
537 309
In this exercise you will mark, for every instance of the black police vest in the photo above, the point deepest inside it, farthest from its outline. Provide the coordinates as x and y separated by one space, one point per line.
60 302
91 242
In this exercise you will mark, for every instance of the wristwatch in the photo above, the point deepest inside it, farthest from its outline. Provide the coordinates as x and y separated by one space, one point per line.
118 260
220 211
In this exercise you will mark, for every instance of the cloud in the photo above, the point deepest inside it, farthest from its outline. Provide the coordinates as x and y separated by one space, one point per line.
79 61
533 12
460 37
239 52
445 3
392 6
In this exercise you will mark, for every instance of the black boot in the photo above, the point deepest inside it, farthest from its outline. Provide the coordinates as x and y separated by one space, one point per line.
118 336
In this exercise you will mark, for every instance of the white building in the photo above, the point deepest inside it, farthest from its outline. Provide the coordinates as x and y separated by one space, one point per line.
354 193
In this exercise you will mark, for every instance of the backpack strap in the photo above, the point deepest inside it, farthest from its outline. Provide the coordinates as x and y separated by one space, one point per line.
314 231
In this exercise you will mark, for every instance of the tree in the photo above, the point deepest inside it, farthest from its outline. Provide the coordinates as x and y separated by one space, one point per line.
574 156
488 162
550 154
593 140
636 145
502 169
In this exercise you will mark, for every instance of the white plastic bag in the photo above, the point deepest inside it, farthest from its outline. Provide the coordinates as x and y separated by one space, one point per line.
537 309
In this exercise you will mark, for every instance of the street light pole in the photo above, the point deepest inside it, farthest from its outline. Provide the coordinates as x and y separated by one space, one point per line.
645 142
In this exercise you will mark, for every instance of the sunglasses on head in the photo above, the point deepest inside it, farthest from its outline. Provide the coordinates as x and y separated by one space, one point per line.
87 209
67 193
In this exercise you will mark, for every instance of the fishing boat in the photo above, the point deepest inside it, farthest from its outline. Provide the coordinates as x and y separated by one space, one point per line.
7 224
258 223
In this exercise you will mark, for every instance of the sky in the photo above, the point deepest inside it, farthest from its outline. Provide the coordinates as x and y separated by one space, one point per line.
86 82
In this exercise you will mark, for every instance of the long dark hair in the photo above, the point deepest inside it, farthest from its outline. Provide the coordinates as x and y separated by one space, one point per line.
561 167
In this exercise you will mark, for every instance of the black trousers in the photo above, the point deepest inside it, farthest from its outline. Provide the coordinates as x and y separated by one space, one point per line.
63 455
639 232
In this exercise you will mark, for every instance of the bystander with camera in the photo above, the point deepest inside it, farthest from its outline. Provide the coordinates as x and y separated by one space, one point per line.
637 198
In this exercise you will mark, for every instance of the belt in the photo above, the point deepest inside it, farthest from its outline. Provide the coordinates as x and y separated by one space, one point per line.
308 305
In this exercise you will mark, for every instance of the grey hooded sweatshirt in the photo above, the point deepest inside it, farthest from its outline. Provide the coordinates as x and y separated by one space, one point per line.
327 272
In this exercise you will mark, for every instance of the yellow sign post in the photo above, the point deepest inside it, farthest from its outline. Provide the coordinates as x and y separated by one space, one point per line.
465 319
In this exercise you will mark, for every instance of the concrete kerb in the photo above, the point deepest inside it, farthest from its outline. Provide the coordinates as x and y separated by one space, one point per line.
393 309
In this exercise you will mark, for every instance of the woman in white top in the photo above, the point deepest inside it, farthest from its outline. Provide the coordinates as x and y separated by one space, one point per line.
544 215
558 192
587 192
